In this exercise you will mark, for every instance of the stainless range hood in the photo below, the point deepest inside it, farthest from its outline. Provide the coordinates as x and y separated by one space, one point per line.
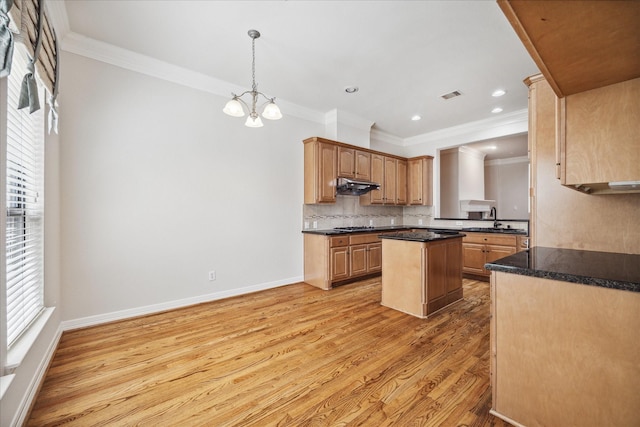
353 187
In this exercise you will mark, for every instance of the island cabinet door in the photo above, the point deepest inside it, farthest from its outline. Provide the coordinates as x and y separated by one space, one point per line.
339 263
358 258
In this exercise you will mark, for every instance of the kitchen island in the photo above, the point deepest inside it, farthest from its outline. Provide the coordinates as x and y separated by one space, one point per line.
421 271
564 338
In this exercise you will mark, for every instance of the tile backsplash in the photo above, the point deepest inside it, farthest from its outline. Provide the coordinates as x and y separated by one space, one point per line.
347 212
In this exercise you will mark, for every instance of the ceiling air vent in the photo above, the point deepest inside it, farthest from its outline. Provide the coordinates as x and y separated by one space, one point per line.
451 94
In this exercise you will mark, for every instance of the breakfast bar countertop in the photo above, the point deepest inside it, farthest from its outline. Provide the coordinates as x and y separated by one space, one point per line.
604 269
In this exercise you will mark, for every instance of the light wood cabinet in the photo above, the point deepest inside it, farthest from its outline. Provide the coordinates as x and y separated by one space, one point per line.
354 163
331 260
320 171
401 182
390 180
391 174
420 181
420 278
580 341
597 137
481 248
326 160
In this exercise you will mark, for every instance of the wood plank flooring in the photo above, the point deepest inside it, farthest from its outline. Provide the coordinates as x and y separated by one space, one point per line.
290 356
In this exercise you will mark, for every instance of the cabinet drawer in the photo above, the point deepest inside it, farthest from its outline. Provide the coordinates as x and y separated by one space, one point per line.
338 241
490 239
359 239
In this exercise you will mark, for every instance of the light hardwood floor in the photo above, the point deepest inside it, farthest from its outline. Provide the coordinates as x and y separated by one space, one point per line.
290 356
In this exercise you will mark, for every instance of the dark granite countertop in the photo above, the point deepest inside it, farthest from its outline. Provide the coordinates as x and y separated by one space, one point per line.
332 232
605 269
421 236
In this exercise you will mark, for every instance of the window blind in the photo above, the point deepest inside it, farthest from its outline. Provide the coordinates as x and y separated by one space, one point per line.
24 201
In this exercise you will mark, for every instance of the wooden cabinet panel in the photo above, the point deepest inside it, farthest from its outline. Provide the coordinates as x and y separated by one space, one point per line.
420 181
591 124
374 257
420 278
376 197
358 260
339 263
320 172
390 180
473 258
401 182
494 253
354 163
481 248
363 165
346 162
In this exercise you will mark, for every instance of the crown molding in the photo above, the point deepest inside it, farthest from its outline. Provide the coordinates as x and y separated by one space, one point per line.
104 52
506 124
385 137
349 119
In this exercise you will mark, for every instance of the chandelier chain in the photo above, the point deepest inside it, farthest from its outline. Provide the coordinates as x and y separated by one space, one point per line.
253 64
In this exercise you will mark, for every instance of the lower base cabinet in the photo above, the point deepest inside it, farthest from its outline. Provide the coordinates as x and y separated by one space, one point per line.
563 354
481 248
333 260
420 278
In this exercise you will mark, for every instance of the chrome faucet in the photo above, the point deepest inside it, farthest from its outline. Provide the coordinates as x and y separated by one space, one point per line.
494 215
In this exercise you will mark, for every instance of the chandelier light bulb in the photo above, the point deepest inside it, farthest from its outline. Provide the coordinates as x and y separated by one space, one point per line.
271 111
234 108
253 122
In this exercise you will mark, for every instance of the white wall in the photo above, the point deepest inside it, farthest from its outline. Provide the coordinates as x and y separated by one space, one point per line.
159 187
507 182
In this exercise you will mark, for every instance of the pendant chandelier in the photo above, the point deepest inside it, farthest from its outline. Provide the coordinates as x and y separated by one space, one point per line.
235 107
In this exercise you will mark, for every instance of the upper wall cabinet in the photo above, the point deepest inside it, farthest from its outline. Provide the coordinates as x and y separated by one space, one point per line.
420 176
326 160
579 45
354 163
598 139
320 171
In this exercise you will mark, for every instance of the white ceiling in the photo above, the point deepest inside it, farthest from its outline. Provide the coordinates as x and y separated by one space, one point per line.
403 55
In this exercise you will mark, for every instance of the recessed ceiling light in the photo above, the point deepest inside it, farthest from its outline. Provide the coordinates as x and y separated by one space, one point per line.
492 147
497 110
351 89
416 117
498 93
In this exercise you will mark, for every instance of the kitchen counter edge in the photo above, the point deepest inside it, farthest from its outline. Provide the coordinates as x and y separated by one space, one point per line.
603 269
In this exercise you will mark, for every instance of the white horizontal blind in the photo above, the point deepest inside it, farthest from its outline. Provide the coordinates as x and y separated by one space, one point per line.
24 228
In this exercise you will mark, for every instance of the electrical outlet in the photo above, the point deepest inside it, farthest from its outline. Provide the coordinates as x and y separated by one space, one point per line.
306 224
393 221
370 222
315 224
419 222
458 222
212 275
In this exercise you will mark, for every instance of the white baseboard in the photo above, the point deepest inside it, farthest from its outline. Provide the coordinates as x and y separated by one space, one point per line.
170 305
